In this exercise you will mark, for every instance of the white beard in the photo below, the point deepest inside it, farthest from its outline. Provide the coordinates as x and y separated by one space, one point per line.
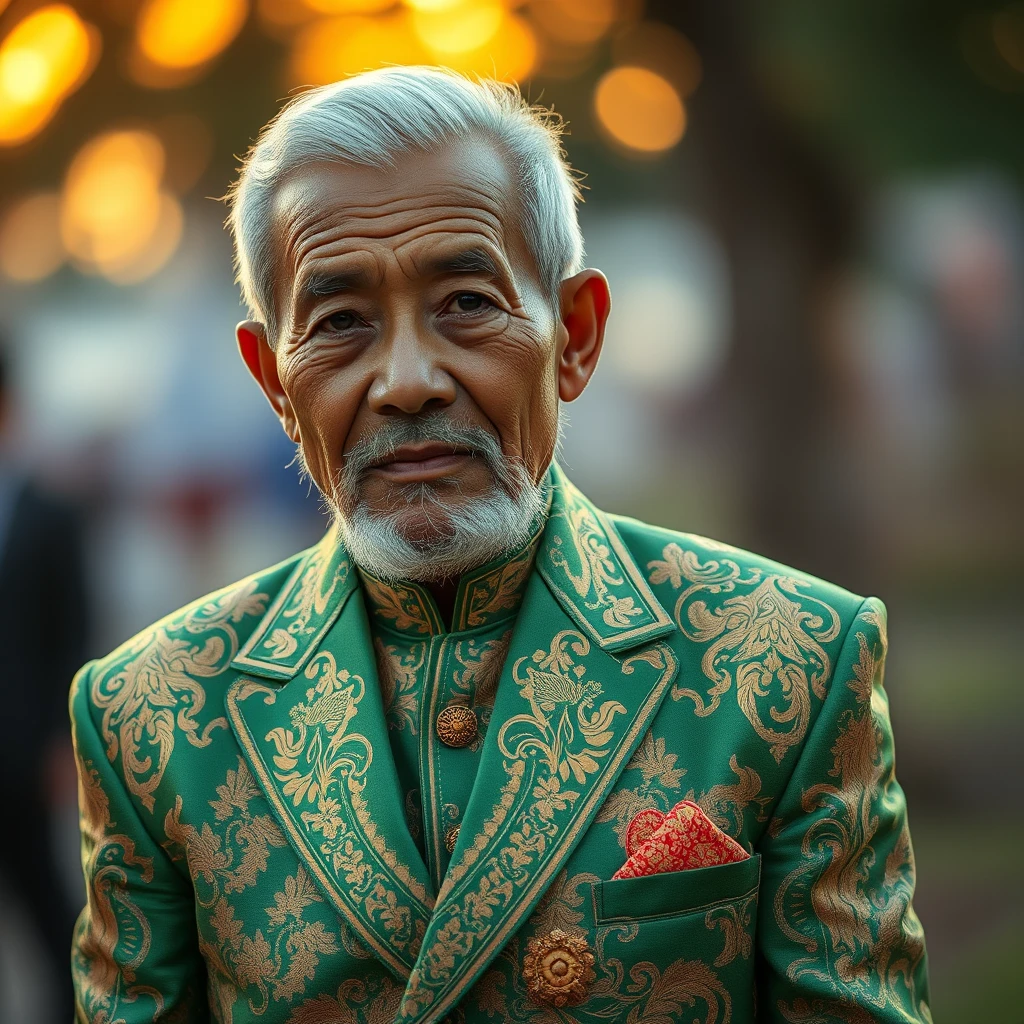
469 533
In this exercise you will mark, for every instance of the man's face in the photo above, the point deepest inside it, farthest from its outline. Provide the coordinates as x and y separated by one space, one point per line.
409 292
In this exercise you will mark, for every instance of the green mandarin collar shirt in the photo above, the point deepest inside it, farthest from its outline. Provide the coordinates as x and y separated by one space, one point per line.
426 671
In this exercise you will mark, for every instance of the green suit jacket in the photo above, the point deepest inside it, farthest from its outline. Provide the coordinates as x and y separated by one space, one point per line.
247 857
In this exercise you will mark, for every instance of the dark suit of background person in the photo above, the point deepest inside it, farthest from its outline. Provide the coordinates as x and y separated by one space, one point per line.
43 639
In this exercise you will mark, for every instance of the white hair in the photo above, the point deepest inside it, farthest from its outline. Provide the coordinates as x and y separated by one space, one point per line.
369 120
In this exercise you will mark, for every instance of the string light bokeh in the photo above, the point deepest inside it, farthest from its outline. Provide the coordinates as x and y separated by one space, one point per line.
119 221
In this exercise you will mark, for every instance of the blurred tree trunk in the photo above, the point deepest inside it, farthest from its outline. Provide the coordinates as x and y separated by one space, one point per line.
787 227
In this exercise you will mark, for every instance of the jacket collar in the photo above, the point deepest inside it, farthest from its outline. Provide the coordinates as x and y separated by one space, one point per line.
579 554
305 609
485 596
586 672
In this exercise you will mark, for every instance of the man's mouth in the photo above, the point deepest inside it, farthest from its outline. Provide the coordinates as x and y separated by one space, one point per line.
415 463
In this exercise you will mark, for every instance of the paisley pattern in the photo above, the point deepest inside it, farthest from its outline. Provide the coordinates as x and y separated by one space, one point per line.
114 936
857 864
767 637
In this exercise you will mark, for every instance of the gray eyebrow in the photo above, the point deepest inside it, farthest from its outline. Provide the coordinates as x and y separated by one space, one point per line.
321 285
468 261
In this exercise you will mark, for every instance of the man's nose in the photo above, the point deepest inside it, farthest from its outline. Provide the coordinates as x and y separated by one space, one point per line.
409 379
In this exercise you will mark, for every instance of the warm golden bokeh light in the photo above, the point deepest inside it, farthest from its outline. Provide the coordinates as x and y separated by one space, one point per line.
335 47
461 28
160 247
30 243
433 5
661 48
180 34
114 219
346 6
46 56
640 109
510 56
574 21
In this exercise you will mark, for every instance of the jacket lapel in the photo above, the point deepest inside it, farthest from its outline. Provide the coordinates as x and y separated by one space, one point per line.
585 674
316 741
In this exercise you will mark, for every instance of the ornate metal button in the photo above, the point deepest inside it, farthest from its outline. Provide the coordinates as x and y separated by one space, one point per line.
558 968
456 725
451 837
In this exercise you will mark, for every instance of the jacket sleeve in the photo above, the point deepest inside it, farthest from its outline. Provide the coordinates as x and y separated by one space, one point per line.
838 939
135 954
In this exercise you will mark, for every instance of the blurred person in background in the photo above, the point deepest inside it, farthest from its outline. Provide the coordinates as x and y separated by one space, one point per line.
484 750
44 621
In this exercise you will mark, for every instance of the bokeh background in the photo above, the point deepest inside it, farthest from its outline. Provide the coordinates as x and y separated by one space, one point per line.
812 216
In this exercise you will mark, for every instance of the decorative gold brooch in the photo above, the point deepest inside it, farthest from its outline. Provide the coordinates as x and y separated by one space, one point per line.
558 968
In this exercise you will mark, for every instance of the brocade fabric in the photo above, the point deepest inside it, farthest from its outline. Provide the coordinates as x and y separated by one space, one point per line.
247 853
423 667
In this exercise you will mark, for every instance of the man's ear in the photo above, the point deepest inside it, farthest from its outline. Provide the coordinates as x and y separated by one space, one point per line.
585 304
261 360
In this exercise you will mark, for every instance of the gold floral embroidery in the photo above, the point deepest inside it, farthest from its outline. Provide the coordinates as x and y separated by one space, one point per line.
551 688
321 764
400 607
211 855
357 1002
724 803
497 591
767 638
597 578
736 922
658 774
397 670
277 965
827 1011
543 748
642 994
307 604
276 961
557 910
153 690
863 941
476 681
113 937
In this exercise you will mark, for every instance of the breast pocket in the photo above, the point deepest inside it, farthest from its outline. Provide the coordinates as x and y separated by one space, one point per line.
676 893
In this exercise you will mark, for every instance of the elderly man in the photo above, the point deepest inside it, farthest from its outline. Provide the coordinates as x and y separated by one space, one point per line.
484 753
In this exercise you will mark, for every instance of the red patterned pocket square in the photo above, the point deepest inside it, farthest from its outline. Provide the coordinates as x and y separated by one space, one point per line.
683 838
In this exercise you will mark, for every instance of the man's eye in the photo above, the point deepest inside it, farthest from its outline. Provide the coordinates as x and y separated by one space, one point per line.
469 302
343 321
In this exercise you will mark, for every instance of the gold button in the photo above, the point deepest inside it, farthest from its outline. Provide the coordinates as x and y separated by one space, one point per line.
558 968
451 837
456 725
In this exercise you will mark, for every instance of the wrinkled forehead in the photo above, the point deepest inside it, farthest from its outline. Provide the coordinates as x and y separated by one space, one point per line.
461 194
